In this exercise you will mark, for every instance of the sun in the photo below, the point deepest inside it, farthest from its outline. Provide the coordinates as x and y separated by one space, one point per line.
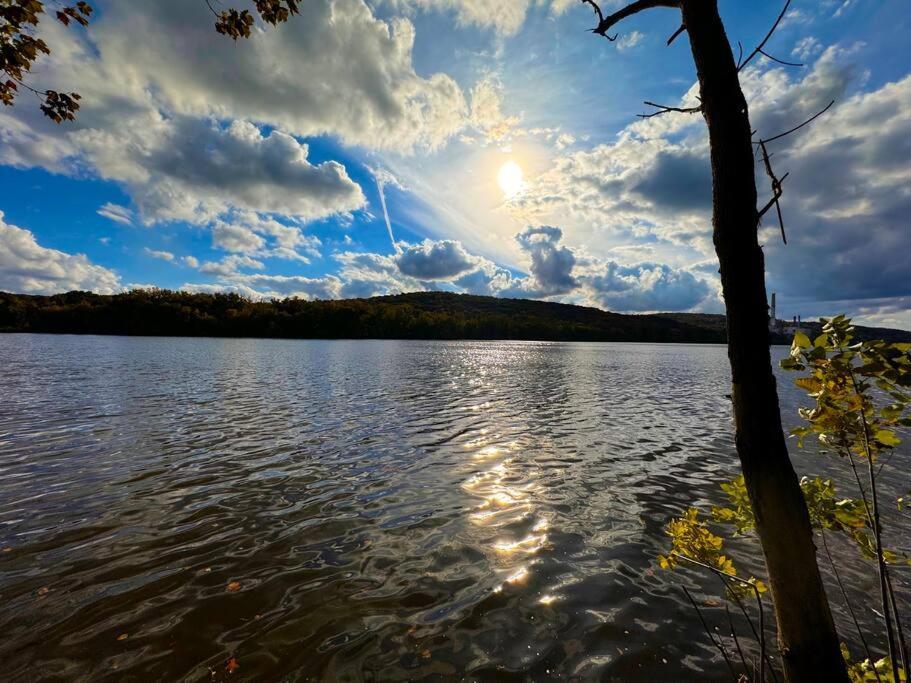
510 179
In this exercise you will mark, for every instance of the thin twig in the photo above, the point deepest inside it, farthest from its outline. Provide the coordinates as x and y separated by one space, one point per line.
596 8
718 644
776 182
900 631
605 24
736 639
796 128
662 109
780 61
844 595
676 33
877 532
759 636
766 39
776 190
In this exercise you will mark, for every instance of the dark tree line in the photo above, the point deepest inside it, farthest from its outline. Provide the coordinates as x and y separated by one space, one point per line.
423 315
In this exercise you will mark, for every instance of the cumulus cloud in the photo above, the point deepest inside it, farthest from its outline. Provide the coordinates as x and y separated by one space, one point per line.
163 255
503 17
555 271
259 287
194 170
28 268
486 113
645 287
846 201
166 53
191 139
235 238
431 260
231 266
551 263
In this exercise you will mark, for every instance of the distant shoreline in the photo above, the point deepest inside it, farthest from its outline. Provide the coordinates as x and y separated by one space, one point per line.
416 316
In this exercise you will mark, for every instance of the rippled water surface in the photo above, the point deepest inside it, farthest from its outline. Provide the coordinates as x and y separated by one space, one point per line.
201 509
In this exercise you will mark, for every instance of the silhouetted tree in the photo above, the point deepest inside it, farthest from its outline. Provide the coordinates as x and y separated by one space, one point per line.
806 632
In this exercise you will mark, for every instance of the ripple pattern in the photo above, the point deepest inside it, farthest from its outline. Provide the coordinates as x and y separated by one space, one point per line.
205 509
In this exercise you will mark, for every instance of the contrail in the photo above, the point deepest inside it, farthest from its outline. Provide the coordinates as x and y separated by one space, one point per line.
379 187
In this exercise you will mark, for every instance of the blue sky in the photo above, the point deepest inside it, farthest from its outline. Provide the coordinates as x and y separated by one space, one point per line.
257 167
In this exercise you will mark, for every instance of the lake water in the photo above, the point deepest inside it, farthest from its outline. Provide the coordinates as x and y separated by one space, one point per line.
209 509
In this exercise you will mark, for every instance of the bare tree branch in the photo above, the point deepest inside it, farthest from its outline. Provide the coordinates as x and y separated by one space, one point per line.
717 643
676 33
662 109
780 61
775 180
776 190
796 128
767 36
605 24
596 8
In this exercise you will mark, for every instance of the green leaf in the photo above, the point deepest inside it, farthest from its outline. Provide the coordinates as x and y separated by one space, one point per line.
887 438
893 411
802 341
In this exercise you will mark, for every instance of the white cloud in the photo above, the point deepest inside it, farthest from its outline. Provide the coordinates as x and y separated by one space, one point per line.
555 272
645 287
191 261
551 262
291 76
163 255
237 238
274 287
486 113
191 138
630 40
117 213
28 268
504 18
431 260
231 266
193 170
806 48
845 204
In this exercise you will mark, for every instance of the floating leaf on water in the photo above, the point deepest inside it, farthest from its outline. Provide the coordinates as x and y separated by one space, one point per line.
234 586
123 636
232 666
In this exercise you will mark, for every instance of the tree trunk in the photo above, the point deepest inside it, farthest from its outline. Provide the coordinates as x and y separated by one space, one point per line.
807 638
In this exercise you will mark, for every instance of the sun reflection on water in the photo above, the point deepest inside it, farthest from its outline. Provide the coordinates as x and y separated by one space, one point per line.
510 529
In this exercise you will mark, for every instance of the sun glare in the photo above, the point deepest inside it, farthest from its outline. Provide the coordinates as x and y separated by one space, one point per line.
510 179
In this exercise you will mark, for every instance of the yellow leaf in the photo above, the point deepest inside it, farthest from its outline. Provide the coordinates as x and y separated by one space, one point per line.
802 341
